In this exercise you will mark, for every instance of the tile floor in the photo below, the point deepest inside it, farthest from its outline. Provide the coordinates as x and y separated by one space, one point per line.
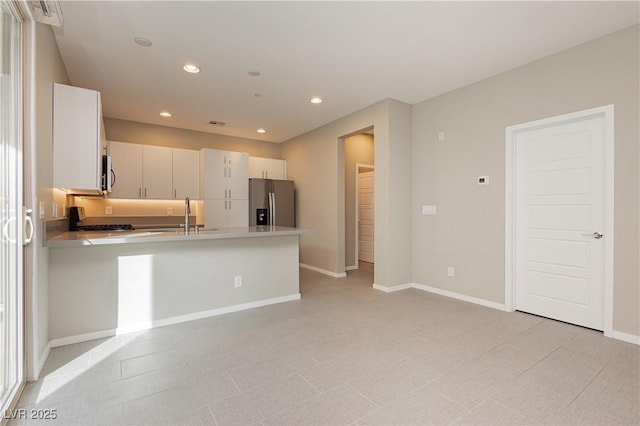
346 354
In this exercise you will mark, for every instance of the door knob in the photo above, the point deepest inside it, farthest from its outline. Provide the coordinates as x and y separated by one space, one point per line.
597 235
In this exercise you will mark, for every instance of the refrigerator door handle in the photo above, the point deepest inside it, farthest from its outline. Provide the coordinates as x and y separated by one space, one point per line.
274 210
270 210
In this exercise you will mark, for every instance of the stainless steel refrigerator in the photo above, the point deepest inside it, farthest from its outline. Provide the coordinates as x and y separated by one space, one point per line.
271 202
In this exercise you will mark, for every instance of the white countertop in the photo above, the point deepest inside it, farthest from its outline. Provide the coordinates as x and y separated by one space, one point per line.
94 238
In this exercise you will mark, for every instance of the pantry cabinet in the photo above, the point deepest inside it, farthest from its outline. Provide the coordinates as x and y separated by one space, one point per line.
224 188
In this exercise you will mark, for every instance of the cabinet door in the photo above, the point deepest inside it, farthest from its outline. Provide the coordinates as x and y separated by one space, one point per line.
238 213
274 168
126 162
215 213
157 170
186 177
238 175
256 169
213 174
76 145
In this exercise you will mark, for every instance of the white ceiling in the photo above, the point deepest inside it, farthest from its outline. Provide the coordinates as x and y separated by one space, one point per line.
351 54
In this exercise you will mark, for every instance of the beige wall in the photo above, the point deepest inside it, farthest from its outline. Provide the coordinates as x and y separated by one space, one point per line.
315 161
358 149
468 231
151 134
48 69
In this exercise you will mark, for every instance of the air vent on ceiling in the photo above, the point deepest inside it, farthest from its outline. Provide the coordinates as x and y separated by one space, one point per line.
47 12
217 123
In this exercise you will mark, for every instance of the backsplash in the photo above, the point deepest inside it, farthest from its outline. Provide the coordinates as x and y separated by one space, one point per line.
118 208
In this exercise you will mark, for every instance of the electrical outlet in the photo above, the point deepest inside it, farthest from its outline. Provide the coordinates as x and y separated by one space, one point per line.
41 210
108 210
450 271
54 210
169 211
238 281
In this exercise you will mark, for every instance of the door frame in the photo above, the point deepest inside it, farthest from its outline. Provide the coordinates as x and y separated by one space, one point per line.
370 168
511 132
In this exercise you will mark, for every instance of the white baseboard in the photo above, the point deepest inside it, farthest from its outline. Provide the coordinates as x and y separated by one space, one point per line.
392 288
169 321
41 361
351 268
625 337
463 297
324 271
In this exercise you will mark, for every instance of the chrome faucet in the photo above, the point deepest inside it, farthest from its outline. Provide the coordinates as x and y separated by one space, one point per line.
187 212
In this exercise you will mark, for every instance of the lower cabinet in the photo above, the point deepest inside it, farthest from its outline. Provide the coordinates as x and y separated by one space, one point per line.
225 213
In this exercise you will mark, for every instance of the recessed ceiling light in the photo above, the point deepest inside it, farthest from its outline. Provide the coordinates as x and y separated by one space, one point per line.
261 130
316 100
191 68
165 114
254 73
141 41
257 95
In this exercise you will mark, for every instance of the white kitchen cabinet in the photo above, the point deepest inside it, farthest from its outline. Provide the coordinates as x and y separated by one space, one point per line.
225 213
157 172
267 168
154 172
224 188
78 139
126 163
186 173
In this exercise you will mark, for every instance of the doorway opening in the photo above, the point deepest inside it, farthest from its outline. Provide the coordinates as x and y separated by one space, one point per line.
359 200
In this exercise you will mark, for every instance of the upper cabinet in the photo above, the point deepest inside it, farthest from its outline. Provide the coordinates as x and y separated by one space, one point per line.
186 173
153 172
267 168
78 139
224 175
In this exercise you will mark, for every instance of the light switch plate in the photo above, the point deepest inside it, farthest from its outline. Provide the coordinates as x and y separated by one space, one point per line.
41 210
169 211
428 209
238 281
441 137
108 210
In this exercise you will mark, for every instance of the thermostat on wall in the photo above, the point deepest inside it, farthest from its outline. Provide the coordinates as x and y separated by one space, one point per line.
483 180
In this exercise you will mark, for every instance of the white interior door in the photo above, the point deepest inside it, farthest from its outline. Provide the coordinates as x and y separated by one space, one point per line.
560 201
365 217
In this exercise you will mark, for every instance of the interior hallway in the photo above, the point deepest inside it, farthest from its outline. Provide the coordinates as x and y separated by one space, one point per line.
344 354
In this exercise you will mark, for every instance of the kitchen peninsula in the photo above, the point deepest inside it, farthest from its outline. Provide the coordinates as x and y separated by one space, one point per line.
125 281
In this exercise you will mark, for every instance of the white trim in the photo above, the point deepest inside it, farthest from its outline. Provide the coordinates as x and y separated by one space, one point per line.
351 268
324 271
463 297
357 210
625 337
170 321
510 134
35 374
392 288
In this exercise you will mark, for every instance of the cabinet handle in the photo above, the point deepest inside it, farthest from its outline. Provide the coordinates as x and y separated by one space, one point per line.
139 192
225 194
266 174
225 204
229 204
175 193
229 195
145 193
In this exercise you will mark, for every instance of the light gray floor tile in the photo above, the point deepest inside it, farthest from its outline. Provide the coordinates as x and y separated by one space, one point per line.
490 412
332 356
337 407
341 370
393 381
423 407
262 402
